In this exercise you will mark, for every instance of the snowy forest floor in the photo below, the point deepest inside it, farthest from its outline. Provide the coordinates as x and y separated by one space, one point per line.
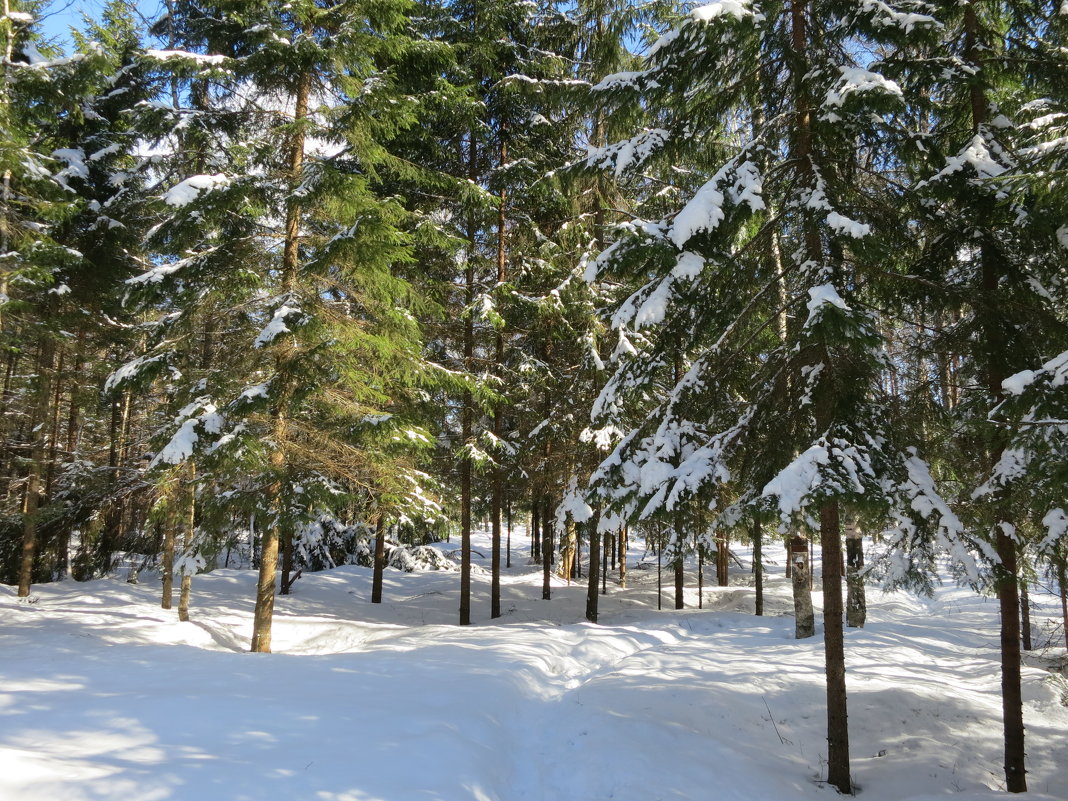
103 695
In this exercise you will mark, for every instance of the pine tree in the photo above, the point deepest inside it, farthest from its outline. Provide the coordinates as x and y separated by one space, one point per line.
296 106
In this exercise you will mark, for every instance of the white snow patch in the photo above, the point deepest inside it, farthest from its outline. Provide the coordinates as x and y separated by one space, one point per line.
186 192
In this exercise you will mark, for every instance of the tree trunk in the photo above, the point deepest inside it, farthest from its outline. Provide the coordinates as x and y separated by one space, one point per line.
264 613
1025 616
659 575
568 550
535 533
606 546
170 532
379 564
467 415
804 617
758 566
700 577
287 559
285 355
53 434
1062 581
723 555
595 565
996 372
546 552
498 428
190 534
42 393
624 537
856 602
834 648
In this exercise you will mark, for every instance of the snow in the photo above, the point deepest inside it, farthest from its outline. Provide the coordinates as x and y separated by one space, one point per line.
186 192
741 183
843 225
106 696
978 156
738 9
1056 524
1056 369
884 16
184 55
1017 383
796 482
855 81
277 326
821 296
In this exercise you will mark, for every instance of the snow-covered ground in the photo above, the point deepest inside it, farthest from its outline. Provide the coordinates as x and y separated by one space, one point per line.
103 695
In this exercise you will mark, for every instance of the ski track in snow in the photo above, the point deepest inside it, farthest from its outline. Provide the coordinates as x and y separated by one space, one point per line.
103 695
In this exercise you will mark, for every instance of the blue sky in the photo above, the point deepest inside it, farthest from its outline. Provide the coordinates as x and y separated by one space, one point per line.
61 15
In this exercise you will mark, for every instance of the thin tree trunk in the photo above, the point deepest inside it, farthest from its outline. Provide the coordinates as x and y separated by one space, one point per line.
467 415
856 602
170 526
606 546
624 537
264 613
723 560
700 577
595 564
498 427
1062 581
834 649
535 533
190 538
546 552
758 565
285 355
659 577
1025 616
996 372
31 501
53 433
804 617
379 564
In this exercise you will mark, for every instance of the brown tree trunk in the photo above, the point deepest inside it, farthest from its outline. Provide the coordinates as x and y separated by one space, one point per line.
42 393
595 565
53 433
379 564
284 356
498 428
804 617
834 649
1062 583
170 526
190 536
624 537
996 372
758 566
467 415
535 533
856 602
546 551
722 560
1025 616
